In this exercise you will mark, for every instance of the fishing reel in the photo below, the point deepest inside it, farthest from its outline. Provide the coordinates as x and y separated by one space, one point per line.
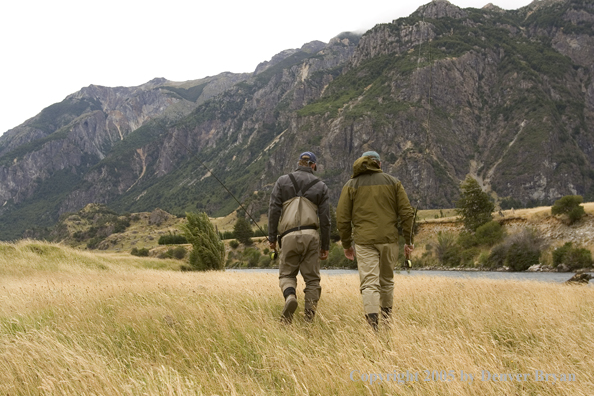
407 264
273 255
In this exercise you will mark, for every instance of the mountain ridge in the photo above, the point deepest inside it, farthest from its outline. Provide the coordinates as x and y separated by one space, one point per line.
506 96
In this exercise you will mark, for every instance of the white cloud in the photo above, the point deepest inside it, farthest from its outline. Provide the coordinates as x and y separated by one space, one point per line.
51 49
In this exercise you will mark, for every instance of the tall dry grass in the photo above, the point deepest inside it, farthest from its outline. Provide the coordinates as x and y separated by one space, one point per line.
75 323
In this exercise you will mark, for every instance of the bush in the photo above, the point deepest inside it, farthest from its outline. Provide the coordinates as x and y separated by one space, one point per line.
518 251
569 205
234 244
264 261
142 252
521 256
227 235
497 256
178 252
446 249
336 258
208 251
261 232
172 239
489 233
467 256
573 258
253 257
467 239
94 242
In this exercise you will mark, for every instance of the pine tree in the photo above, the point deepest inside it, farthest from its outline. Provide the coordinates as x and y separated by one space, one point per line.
208 251
243 231
474 206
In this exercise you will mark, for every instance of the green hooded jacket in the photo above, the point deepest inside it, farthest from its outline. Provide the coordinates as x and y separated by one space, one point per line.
370 206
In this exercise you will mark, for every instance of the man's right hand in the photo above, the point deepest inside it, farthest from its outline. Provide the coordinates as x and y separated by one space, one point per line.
350 253
272 245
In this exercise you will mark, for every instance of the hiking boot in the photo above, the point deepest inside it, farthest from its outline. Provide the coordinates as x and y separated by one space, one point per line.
289 309
386 313
309 315
372 319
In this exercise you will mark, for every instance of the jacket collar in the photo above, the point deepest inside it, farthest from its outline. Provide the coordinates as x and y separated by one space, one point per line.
304 169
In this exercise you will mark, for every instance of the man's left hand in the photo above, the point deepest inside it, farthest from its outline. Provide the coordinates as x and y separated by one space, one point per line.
323 254
408 249
272 245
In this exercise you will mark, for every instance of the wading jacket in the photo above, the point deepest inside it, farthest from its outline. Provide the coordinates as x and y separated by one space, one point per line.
284 190
370 205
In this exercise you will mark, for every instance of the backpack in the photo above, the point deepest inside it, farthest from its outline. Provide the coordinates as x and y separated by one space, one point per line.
298 213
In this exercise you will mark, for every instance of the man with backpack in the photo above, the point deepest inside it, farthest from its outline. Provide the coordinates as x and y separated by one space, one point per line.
298 207
370 206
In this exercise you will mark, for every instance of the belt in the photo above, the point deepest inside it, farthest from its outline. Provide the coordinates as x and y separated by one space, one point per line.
293 230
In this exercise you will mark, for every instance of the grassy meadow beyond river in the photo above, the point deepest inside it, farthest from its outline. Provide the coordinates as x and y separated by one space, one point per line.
81 323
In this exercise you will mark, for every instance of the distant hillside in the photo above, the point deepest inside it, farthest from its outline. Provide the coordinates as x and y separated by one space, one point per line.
505 96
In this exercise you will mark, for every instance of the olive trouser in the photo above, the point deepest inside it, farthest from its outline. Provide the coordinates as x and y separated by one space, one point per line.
300 253
376 274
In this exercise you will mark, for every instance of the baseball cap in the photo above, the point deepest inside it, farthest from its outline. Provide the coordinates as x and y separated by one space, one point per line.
372 154
308 155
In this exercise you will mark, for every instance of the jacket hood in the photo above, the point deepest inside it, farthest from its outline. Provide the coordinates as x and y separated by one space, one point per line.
364 165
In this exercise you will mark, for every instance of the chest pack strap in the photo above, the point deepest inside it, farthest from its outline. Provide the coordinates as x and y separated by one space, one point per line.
302 191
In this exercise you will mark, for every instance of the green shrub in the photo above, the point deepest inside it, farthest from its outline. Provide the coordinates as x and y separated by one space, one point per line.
518 251
178 252
264 261
497 256
234 244
569 205
576 214
489 233
574 258
253 257
227 235
447 250
521 256
172 239
336 258
142 252
467 239
467 256
94 242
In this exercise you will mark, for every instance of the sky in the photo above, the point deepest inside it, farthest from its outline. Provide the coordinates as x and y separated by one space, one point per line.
52 48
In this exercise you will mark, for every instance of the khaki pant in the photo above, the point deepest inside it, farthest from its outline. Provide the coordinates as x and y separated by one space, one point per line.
300 252
376 274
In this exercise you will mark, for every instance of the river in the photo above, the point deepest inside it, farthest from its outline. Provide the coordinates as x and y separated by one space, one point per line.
555 277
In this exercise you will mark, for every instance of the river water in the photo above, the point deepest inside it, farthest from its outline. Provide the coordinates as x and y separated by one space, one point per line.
555 277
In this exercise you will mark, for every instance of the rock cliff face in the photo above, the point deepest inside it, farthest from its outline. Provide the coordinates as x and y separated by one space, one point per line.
506 96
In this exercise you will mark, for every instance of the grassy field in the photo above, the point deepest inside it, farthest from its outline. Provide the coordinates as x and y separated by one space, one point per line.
80 323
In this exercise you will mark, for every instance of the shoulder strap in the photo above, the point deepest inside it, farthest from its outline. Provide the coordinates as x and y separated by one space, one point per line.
302 191
297 190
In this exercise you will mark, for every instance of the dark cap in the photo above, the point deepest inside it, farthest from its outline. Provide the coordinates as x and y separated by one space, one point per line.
308 155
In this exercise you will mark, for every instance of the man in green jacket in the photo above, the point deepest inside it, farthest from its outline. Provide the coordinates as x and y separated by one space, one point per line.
370 205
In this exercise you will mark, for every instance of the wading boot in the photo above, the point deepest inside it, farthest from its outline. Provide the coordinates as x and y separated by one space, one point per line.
290 305
309 315
372 319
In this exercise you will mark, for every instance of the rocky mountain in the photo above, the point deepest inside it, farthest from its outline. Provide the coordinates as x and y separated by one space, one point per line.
506 96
